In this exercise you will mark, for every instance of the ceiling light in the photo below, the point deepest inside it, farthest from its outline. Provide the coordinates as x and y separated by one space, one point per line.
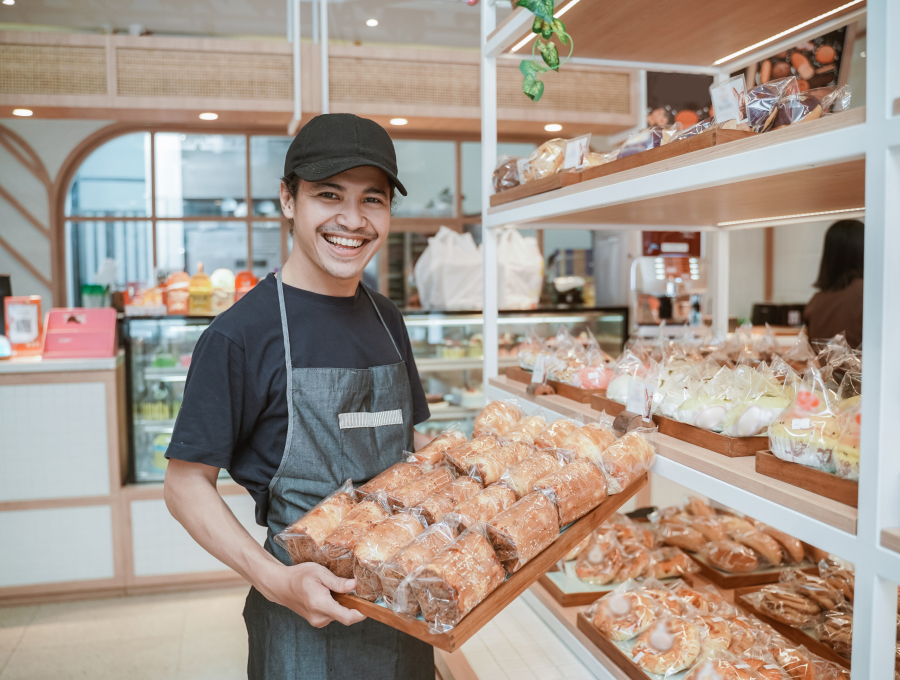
208 116
553 127
790 217
399 121
21 112
785 33
372 22
562 11
9 2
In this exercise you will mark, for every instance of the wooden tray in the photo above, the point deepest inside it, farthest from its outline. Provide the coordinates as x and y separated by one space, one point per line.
611 650
732 447
823 483
704 140
578 394
599 402
727 581
801 636
508 591
583 597
538 186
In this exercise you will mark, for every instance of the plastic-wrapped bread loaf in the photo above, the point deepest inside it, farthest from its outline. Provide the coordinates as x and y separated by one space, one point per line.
526 430
458 579
462 454
393 478
626 460
589 442
575 490
439 504
418 552
339 544
523 530
497 417
410 495
521 476
556 433
484 506
433 451
303 539
489 465
545 160
378 545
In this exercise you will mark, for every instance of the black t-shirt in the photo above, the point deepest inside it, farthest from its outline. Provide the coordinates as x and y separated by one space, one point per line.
234 413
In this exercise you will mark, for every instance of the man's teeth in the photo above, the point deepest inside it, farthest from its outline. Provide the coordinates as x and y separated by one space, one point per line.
340 241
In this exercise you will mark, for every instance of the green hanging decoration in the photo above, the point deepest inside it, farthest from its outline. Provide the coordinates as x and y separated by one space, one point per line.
545 26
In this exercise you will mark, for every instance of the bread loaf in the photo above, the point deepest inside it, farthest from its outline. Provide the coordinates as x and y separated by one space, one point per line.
522 476
484 506
339 544
576 489
626 460
379 544
489 465
555 434
526 430
589 442
410 495
393 478
459 578
440 503
418 552
433 451
461 455
303 539
523 530
497 417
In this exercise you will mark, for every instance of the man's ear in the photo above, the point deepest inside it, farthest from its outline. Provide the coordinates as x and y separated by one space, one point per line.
287 202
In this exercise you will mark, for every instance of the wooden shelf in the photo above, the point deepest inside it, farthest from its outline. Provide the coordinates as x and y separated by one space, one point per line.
890 539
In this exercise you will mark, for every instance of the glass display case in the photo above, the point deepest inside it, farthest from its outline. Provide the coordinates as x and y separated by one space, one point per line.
447 347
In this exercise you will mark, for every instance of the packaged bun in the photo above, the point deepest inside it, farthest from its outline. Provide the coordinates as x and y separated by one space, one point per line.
682 536
670 563
555 434
626 460
575 490
545 160
394 477
522 476
600 561
433 451
527 429
814 587
483 506
793 548
623 615
339 544
377 546
732 557
457 579
669 646
461 455
836 631
785 605
303 539
506 174
440 503
589 441
743 635
711 528
762 543
394 573
410 495
523 530
699 507
636 562
490 464
497 417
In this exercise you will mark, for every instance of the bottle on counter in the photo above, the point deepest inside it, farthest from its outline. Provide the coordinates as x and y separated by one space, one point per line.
243 283
201 290
160 444
223 290
178 293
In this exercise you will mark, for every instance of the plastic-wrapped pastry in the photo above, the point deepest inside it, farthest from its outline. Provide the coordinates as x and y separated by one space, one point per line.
523 530
545 160
626 460
338 546
589 442
836 631
490 464
506 174
522 476
846 451
433 451
762 543
732 557
631 532
378 545
527 429
394 572
303 539
575 490
682 536
721 669
393 478
458 579
793 548
462 454
600 561
706 600
699 507
484 506
785 605
670 645
814 587
440 503
767 668
710 527
556 433
670 562
623 615
410 495
839 577
636 562
743 635
762 102
719 632
497 417
796 108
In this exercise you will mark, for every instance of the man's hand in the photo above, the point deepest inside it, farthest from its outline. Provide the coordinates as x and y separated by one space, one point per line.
420 440
306 590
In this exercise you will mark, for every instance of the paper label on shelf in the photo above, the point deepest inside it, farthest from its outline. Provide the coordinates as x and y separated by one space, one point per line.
576 150
640 399
23 323
729 100
540 369
669 247
800 424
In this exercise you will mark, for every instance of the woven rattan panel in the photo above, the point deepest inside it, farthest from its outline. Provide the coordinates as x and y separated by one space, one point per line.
175 73
52 69
569 90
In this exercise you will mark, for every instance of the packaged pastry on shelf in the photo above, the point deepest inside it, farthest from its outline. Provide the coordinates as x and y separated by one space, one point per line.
462 454
303 539
337 547
555 434
839 576
489 465
721 669
410 495
846 451
377 546
589 441
836 631
432 452
627 459
792 547
441 502
600 560
457 579
670 563
575 490
705 599
525 432
497 417
546 160
522 476
682 535
636 562
523 530
482 507
784 604
732 557
623 614
668 646
762 102
506 174
762 543
814 587
394 477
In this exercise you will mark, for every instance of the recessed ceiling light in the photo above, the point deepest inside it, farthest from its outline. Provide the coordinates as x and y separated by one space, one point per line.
787 32
528 38
209 116
791 217
21 112
9 2
553 127
372 22
399 121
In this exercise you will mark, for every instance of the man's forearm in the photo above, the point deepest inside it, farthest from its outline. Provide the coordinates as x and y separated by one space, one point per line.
420 440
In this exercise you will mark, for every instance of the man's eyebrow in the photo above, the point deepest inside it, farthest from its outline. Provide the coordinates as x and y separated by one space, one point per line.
328 185
376 190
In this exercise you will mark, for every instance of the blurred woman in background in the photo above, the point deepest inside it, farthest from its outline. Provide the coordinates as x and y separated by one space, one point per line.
838 306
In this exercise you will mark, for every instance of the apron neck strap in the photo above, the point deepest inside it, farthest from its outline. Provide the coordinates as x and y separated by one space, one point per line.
381 318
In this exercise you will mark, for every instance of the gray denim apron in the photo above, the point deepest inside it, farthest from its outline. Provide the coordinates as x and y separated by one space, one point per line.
343 423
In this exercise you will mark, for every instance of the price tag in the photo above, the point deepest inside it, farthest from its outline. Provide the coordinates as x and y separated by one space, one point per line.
730 99
800 424
540 369
23 323
640 399
576 150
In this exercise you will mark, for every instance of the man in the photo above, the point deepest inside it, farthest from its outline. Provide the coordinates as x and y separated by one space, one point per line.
272 396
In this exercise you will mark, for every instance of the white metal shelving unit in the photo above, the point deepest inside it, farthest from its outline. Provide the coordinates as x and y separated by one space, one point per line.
845 163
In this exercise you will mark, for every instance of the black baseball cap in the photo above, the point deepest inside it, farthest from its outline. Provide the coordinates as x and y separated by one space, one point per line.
334 142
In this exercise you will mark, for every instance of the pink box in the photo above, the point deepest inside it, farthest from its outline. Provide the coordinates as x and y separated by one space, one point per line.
79 333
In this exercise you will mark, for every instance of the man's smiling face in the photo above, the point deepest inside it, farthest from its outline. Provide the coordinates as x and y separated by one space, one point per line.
341 222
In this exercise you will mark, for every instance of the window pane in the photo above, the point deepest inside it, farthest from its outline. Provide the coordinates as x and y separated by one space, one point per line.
112 181
471 171
266 248
266 168
428 171
181 245
201 175
90 244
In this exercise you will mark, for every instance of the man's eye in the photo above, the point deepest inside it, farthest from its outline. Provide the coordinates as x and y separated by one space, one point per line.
328 194
373 199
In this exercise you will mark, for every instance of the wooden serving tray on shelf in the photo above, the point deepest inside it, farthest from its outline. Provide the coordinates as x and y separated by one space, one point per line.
538 186
508 591
570 591
823 483
613 652
599 402
802 636
733 447
578 394
764 576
